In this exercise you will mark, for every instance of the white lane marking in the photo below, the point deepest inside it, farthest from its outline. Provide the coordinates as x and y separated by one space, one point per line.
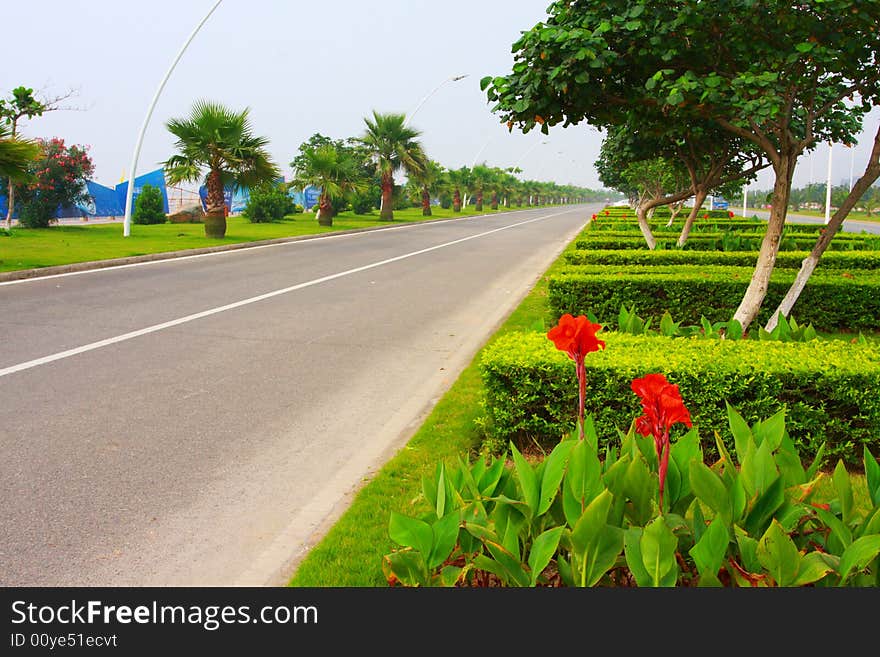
244 302
414 224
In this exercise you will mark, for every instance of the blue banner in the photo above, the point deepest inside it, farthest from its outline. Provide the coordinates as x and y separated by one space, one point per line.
155 178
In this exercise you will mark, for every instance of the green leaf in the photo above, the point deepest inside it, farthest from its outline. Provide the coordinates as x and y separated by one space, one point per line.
858 555
591 522
527 480
804 46
734 330
816 463
639 488
658 546
482 562
840 537
771 430
872 476
742 434
844 490
441 492
748 550
485 82
554 469
449 575
445 537
682 452
512 566
759 470
543 549
709 551
411 532
813 567
779 555
708 487
765 506
489 481
632 549
582 481
407 566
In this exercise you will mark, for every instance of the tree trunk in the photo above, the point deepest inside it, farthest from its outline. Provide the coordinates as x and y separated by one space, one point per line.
426 202
387 211
325 211
751 302
641 215
699 197
479 205
494 203
872 172
215 216
456 200
10 195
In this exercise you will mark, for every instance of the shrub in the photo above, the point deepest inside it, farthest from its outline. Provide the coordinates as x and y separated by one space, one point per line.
828 388
720 242
149 207
784 260
37 212
268 203
832 300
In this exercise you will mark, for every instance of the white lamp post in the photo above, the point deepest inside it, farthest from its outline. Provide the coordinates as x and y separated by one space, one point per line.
137 148
454 78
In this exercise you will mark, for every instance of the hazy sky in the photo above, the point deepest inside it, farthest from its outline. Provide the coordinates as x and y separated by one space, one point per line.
301 68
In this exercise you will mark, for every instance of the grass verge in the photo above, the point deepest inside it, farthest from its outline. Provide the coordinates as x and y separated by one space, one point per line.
32 248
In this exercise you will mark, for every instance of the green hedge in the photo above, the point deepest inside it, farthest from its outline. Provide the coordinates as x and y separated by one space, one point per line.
830 301
784 260
829 388
722 242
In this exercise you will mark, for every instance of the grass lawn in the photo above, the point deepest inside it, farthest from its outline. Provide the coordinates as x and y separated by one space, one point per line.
351 552
30 248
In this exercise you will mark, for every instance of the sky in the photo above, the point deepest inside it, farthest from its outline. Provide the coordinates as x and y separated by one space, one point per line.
302 68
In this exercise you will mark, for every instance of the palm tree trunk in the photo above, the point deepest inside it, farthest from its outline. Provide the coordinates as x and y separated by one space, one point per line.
456 200
426 202
479 206
494 203
215 217
10 196
325 211
387 212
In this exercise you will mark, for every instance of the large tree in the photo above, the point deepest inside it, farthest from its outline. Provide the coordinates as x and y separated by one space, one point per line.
780 75
394 146
217 145
23 104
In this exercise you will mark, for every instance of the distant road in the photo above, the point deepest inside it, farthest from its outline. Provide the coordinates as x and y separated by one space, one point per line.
199 421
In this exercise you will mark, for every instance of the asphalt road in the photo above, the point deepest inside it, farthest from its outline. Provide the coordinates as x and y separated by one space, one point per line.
201 421
849 225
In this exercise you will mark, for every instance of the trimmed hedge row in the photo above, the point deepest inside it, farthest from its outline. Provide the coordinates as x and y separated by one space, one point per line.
784 260
828 388
719 242
830 301
700 226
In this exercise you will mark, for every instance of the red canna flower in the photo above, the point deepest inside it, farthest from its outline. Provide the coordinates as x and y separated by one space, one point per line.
577 338
730 212
706 216
662 406
607 212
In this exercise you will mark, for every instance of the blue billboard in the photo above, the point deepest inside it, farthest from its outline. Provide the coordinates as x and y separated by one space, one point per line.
155 178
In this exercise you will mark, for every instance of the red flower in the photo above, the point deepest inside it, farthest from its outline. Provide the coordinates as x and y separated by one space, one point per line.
662 406
594 217
730 212
706 216
577 338
607 213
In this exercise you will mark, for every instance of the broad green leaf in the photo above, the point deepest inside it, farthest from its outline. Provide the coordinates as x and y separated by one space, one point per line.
449 575
779 555
488 564
748 550
445 537
591 522
489 481
590 435
789 463
840 537
640 489
699 522
858 555
672 490
441 492
742 434
411 532
816 463
543 549
512 529
527 480
511 564
764 507
708 487
734 328
813 567
658 546
709 551
872 476
844 490
602 556
771 430
633 551
729 471
737 498
582 482
407 566
871 524
554 469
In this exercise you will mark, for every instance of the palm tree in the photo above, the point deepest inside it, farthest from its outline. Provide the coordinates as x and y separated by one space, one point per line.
427 179
393 146
458 179
15 155
221 141
482 178
334 170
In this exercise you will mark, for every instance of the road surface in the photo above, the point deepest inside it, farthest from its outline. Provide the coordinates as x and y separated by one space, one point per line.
200 421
